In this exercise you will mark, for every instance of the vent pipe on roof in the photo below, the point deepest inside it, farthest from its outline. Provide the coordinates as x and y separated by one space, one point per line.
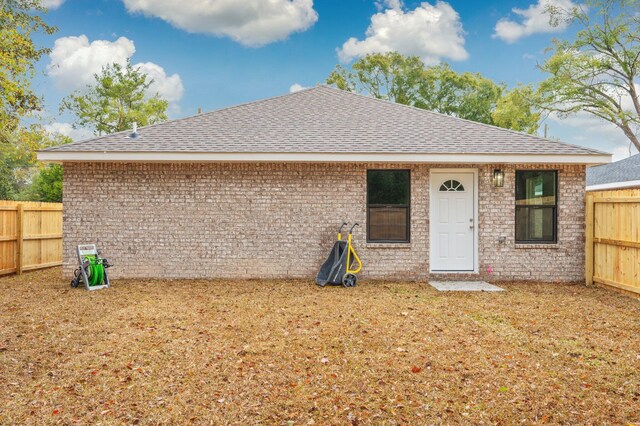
134 134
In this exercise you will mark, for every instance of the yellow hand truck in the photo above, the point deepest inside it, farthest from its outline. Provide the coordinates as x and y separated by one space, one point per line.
339 266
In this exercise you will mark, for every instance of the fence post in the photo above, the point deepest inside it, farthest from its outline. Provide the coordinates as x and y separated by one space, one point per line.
20 237
589 223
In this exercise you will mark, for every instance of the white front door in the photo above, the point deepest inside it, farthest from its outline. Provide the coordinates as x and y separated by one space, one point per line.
452 220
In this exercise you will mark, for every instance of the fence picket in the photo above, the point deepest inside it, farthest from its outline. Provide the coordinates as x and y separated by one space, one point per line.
612 246
30 236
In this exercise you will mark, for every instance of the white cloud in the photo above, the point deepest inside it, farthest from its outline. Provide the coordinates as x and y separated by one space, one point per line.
168 86
588 130
621 152
389 4
295 87
249 22
430 32
75 60
51 4
66 129
534 19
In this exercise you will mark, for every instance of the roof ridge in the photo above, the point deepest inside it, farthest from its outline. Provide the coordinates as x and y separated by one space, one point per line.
630 159
191 117
243 104
625 162
591 150
83 141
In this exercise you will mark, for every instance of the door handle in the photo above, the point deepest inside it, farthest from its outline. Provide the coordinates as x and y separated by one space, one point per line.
471 223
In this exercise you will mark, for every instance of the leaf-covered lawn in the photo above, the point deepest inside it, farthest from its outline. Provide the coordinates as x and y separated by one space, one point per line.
288 352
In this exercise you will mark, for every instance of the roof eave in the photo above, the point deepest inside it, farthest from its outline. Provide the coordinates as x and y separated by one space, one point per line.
318 157
614 185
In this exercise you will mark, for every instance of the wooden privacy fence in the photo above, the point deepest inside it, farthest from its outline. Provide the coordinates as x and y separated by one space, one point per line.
30 236
613 239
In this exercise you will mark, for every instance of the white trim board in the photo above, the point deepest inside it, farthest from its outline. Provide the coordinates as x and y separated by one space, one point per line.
317 157
614 185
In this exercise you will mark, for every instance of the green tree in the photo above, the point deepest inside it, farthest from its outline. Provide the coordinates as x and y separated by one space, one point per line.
516 110
597 71
46 185
406 80
117 100
18 162
7 182
390 76
19 20
464 95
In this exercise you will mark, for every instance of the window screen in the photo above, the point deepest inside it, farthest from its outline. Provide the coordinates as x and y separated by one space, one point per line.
536 206
388 202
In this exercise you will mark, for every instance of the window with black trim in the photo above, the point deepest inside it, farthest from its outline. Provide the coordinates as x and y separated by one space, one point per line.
388 205
536 206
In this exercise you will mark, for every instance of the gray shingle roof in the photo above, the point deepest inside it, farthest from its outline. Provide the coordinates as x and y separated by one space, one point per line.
325 120
620 171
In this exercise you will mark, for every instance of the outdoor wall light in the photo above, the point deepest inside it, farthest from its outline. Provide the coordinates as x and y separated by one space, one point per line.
498 178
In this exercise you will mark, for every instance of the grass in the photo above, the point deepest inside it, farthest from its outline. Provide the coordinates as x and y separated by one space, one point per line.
287 352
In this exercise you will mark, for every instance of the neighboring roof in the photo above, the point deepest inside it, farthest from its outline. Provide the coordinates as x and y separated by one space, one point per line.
621 174
319 124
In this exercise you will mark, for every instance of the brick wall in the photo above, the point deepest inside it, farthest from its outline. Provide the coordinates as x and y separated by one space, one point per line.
279 220
563 261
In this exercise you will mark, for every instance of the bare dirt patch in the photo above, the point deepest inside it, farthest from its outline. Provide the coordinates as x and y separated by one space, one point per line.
287 352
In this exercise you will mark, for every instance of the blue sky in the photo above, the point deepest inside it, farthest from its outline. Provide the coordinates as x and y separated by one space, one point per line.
212 54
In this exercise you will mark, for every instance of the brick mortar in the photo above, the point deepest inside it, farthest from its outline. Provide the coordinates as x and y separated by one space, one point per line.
278 220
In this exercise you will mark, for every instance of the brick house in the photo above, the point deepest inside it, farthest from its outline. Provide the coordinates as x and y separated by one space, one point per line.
257 191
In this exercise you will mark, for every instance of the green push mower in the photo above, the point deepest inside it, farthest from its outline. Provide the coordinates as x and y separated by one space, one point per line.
92 268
